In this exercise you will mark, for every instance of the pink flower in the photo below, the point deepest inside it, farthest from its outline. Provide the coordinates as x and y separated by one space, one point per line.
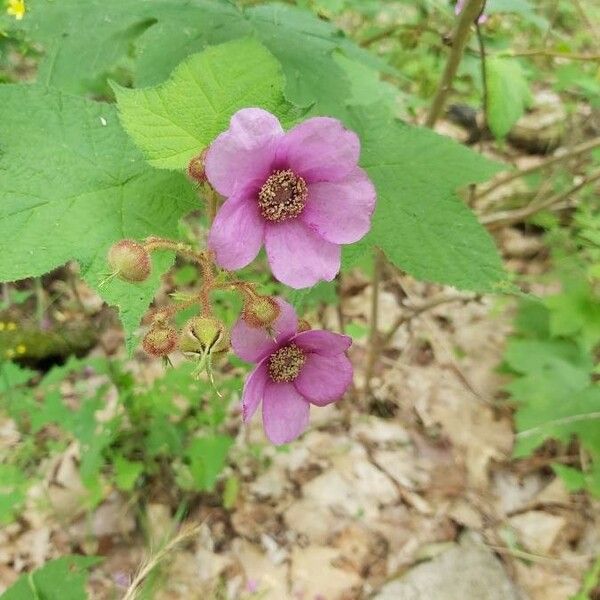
300 193
460 4
293 371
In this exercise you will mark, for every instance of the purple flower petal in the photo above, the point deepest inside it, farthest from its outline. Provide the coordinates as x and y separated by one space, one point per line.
254 390
298 256
285 412
341 211
237 233
324 379
241 157
320 149
254 343
323 342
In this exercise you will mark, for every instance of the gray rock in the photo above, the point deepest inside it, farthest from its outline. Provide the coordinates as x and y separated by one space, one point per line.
467 571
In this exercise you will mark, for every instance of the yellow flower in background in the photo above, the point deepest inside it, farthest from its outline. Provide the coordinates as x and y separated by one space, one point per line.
21 349
16 8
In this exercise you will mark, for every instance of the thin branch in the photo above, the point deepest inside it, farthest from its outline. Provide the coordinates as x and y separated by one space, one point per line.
340 304
554 54
374 346
483 66
575 151
417 310
467 17
500 219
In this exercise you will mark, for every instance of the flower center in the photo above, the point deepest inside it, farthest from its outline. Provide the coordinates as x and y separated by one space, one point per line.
285 363
283 196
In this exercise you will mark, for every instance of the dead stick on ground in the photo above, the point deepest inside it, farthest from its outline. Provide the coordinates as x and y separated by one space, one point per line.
575 151
417 310
501 219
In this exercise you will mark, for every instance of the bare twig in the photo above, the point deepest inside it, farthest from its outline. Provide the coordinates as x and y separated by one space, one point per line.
575 151
483 66
554 54
414 311
374 347
340 304
467 17
503 218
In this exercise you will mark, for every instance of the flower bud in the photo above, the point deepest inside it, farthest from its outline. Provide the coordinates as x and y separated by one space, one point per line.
196 169
130 261
158 317
203 335
303 325
260 311
160 341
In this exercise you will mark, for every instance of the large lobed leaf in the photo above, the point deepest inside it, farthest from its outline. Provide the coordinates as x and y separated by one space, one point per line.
420 222
174 121
71 184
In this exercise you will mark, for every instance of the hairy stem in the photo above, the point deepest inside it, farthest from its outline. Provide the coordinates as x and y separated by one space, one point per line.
483 66
467 17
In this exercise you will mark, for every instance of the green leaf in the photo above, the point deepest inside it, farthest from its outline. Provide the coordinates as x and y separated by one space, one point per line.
71 184
176 120
573 479
301 42
231 492
62 579
126 472
84 41
13 487
207 457
420 223
508 94
13 375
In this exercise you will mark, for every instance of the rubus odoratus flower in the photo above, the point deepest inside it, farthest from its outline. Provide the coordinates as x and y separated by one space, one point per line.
293 370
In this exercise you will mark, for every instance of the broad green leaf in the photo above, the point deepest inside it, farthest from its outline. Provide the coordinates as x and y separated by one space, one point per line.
176 120
126 472
71 184
13 487
508 94
420 223
301 42
62 579
12 375
207 457
84 41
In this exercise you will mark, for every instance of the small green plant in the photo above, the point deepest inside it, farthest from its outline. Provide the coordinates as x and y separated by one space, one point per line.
62 579
168 432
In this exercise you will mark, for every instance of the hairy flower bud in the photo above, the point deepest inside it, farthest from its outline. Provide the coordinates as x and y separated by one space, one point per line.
260 311
130 261
160 341
196 169
158 316
203 335
303 325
